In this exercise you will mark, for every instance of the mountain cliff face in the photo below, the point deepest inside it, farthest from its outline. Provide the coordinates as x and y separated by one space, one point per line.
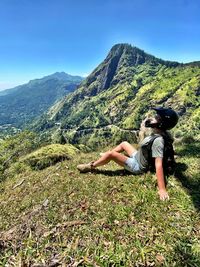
20 105
117 96
120 64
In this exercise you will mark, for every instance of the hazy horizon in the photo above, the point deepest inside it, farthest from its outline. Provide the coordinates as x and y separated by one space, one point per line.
34 78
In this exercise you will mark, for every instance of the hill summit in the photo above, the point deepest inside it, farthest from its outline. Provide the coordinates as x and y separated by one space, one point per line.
117 95
118 65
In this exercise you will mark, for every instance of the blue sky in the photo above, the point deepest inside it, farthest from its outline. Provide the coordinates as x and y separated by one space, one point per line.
38 38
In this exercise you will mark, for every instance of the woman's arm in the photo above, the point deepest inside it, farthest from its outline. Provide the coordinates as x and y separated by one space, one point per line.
160 179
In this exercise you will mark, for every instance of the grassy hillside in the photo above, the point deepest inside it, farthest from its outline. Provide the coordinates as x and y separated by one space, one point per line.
51 215
119 92
59 217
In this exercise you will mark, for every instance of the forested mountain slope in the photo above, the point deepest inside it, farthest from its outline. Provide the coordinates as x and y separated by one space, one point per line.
120 91
20 105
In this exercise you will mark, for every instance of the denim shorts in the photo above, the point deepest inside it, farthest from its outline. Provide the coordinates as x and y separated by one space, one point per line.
132 165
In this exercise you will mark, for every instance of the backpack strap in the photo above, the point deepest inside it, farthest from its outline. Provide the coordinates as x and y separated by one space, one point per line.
151 142
169 162
151 161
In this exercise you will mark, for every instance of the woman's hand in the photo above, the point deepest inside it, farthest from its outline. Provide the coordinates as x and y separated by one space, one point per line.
163 195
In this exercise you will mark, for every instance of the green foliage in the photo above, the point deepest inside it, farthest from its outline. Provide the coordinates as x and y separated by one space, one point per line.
49 155
21 105
14 147
133 89
57 216
99 137
189 124
14 169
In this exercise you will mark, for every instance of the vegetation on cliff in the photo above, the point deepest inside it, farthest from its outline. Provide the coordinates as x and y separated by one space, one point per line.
120 91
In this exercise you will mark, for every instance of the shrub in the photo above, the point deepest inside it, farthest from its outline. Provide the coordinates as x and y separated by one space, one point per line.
50 155
188 139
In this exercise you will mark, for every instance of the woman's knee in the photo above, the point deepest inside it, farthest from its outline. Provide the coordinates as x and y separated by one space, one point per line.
111 154
125 143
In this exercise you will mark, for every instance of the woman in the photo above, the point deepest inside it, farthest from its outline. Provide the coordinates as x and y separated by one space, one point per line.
137 161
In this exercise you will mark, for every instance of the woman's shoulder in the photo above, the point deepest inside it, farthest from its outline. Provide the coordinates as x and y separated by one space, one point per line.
159 140
163 138
153 138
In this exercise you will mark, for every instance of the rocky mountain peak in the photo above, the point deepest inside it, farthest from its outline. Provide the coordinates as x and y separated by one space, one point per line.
120 60
135 55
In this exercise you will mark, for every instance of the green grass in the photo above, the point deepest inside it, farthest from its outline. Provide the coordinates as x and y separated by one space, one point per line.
109 217
49 155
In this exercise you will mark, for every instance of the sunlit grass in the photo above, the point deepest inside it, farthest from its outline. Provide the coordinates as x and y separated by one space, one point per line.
105 218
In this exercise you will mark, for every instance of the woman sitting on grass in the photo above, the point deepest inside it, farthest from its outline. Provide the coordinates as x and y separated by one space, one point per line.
137 162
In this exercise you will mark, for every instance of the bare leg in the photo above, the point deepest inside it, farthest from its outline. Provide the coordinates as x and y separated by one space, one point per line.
125 146
108 156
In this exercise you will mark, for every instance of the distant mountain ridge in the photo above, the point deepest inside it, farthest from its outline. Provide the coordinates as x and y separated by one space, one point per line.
119 92
62 76
20 105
